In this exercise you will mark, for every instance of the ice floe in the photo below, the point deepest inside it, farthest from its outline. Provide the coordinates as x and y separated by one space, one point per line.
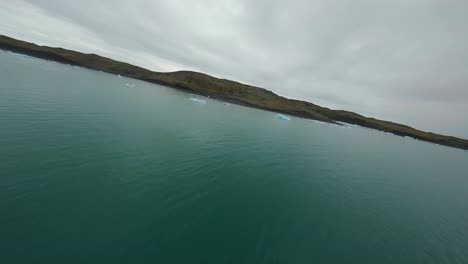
282 117
198 100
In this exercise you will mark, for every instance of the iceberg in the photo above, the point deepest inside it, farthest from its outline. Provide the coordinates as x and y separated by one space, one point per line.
319 122
282 117
198 100
130 85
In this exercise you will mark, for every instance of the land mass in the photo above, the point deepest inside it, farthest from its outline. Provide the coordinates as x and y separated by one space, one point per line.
225 90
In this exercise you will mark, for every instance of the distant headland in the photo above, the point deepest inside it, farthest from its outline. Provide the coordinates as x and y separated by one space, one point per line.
224 90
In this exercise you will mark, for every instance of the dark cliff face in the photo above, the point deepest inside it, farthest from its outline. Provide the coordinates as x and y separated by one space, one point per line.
224 90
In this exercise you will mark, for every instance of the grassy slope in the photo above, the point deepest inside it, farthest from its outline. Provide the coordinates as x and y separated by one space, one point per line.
224 90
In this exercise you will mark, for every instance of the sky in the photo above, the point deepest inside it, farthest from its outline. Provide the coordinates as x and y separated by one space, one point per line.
403 60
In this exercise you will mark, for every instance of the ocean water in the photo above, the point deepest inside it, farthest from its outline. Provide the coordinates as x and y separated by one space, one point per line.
96 168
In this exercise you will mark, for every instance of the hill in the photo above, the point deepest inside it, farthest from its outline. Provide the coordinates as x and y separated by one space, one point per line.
225 90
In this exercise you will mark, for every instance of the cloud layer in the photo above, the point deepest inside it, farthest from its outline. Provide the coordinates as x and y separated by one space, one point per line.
401 60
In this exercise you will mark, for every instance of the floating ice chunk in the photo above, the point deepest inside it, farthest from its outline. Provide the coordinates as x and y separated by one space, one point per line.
319 122
282 117
346 125
130 85
198 100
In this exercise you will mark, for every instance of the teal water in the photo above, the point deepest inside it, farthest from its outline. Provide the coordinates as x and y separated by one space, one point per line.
95 171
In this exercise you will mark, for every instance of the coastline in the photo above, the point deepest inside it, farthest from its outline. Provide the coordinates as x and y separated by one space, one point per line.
224 90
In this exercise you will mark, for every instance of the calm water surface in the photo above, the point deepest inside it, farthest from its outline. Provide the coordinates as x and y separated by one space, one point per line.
93 170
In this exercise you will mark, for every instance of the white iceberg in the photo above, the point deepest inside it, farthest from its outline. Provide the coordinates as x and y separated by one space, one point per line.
198 100
282 117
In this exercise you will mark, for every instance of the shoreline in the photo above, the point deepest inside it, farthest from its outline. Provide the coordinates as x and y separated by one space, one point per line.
224 90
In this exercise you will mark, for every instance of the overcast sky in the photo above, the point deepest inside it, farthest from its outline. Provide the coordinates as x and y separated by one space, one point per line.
400 60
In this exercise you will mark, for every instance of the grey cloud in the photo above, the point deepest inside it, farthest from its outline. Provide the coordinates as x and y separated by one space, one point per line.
400 60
